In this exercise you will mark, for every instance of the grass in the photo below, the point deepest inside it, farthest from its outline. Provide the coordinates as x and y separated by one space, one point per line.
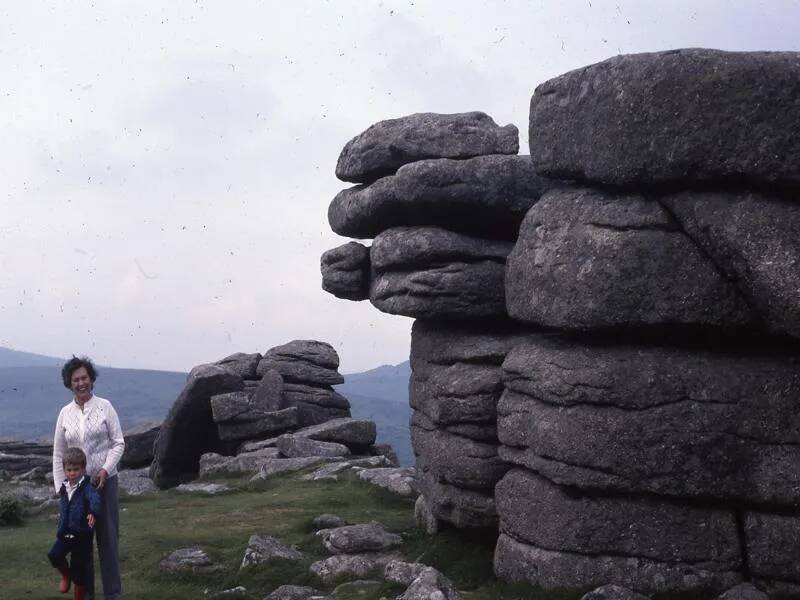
153 526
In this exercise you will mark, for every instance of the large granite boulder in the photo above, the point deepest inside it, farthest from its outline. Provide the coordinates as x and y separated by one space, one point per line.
189 429
346 271
772 542
139 442
633 418
540 513
678 116
752 239
513 562
315 404
303 361
295 446
594 259
435 273
388 145
241 364
362 537
490 195
356 434
265 424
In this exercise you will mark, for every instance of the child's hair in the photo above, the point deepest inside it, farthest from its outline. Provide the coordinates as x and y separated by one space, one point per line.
74 456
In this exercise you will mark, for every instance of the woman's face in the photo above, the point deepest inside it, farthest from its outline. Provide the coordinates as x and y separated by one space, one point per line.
81 385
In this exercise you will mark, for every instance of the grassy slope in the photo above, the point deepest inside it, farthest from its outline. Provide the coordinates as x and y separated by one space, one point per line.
284 507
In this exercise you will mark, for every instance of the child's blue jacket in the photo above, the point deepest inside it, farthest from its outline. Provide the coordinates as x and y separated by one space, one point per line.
72 518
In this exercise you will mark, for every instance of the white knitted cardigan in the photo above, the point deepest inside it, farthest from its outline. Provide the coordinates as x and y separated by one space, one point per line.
96 430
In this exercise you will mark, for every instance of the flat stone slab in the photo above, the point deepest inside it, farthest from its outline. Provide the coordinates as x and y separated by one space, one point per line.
613 592
295 446
276 466
398 480
353 433
246 462
136 482
486 196
517 562
188 559
360 538
211 489
671 117
387 145
263 548
352 565
295 592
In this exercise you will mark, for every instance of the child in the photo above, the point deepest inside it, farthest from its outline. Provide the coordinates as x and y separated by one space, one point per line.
80 507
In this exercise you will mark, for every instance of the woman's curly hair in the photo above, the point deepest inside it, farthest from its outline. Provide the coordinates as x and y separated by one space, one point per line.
75 363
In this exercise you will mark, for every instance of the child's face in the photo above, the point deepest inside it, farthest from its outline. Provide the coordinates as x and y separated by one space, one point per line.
73 473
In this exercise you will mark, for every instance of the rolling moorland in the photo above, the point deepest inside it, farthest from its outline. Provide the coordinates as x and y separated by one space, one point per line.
31 394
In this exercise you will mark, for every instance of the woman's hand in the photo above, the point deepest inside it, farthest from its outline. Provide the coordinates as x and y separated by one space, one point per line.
91 520
100 480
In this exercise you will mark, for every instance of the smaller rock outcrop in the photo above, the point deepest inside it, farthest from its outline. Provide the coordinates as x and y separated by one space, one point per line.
388 145
263 548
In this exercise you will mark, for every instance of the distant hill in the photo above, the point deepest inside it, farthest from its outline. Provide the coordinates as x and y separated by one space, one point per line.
31 394
15 358
381 394
30 397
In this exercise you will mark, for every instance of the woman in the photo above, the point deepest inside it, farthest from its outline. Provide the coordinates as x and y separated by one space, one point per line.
91 423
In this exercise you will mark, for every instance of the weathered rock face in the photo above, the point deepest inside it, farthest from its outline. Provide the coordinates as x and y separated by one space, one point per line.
189 429
553 569
752 239
295 446
434 273
388 145
648 419
139 442
287 388
490 195
345 271
546 515
590 259
625 407
454 390
241 364
678 116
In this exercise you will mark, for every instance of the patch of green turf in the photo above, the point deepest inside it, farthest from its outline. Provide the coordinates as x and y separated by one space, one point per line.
284 506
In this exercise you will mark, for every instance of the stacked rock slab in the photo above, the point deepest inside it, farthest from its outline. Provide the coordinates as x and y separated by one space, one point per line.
246 397
654 443
442 197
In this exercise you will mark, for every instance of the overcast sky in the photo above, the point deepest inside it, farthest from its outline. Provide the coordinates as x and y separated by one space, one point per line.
166 168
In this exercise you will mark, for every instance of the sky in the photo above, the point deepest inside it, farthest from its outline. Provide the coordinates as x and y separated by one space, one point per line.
166 168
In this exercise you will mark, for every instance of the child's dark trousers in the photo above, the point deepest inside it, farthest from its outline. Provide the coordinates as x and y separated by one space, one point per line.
79 549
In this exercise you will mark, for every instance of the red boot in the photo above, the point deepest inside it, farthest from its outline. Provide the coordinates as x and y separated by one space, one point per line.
78 591
63 585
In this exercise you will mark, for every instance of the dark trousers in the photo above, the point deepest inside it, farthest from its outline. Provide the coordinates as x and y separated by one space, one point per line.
107 533
79 550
